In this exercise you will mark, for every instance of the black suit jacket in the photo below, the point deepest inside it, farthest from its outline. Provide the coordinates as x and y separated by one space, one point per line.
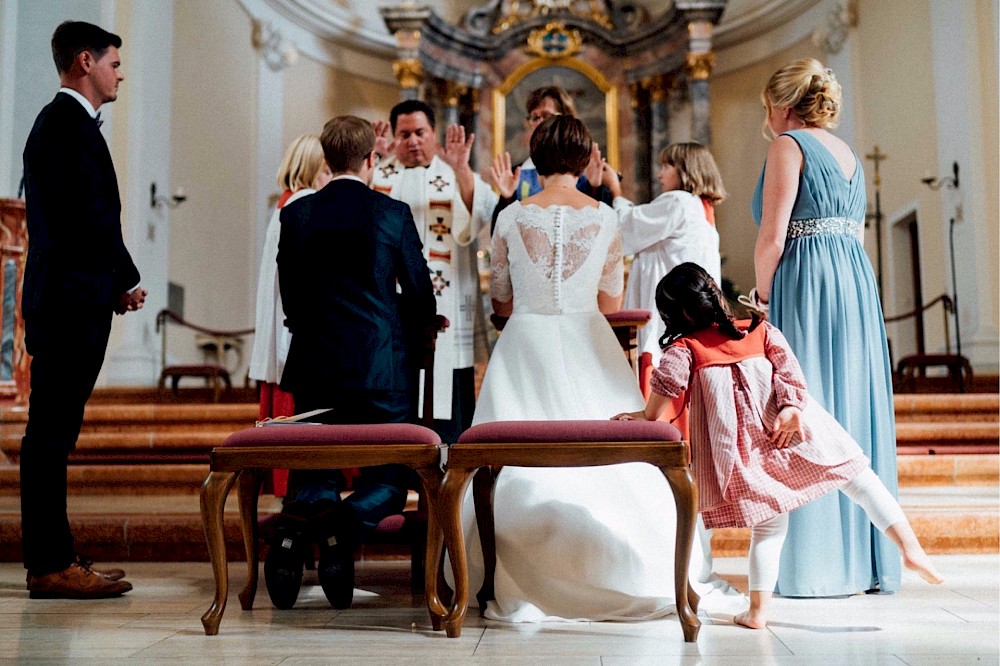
341 254
77 260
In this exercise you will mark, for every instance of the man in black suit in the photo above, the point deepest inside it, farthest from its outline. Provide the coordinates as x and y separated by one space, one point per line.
354 285
78 273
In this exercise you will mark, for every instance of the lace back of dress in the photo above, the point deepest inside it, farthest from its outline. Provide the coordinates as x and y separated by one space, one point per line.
553 273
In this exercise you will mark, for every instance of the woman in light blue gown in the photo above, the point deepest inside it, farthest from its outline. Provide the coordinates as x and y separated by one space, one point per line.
812 269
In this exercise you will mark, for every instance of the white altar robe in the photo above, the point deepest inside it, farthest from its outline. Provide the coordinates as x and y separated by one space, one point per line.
448 231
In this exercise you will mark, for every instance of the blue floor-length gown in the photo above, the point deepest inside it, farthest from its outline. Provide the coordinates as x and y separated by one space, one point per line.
825 301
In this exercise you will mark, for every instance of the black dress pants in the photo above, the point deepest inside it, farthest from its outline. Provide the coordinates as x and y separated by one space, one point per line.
380 491
463 406
67 358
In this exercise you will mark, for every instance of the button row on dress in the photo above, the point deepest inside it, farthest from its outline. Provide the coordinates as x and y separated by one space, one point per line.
557 269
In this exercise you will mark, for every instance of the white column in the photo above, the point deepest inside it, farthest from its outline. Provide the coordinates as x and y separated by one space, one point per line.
960 138
10 162
148 53
270 145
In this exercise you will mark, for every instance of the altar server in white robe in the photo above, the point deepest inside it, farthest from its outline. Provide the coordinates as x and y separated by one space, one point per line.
450 204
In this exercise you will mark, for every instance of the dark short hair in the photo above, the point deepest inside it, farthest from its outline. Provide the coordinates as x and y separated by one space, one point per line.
411 106
561 98
561 144
72 38
347 141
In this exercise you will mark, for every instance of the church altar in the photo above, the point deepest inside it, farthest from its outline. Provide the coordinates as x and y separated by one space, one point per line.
639 82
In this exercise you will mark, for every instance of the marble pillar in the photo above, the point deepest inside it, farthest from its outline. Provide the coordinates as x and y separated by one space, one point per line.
404 22
640 180
452 94
469 118
699 67
659 131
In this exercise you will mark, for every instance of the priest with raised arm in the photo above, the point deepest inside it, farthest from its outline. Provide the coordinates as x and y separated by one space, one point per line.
450 204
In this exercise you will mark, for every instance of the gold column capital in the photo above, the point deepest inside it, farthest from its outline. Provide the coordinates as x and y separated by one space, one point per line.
634 89
700 65
453 93
409 72
658 86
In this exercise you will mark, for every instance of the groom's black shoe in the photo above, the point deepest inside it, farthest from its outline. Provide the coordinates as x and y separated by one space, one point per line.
283 564
338 533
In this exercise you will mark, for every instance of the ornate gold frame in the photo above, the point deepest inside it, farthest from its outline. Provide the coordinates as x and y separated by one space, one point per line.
611 150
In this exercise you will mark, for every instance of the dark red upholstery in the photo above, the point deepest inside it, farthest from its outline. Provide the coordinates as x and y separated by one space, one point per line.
570 431
628 315
331 435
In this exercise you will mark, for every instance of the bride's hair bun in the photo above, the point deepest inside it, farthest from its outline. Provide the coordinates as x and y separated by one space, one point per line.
807 88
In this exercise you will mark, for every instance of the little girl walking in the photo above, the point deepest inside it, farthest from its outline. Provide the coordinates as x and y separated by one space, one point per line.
761 446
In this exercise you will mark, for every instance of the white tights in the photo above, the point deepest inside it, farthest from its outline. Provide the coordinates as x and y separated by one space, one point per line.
767 538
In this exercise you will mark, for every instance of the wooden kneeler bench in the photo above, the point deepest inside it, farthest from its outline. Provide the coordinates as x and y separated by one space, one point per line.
248 455
559 444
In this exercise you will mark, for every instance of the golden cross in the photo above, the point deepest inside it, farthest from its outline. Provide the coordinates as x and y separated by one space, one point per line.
877 156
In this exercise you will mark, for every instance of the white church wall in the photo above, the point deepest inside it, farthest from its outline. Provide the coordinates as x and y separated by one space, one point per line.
213 153
141 147
316 92
989 82
28 78
895 93
922 85
233 117
740 149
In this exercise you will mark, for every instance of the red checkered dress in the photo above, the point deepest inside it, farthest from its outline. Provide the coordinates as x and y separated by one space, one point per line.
735 390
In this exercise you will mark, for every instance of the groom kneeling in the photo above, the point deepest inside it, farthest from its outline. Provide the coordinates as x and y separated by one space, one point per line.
354 283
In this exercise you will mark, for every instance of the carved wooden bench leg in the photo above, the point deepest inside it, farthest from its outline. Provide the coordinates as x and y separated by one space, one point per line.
248 490
482 494
456 481
431 479
213 501
686 501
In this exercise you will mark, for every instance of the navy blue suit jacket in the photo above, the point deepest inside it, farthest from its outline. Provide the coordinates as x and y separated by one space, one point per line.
77 260
341 255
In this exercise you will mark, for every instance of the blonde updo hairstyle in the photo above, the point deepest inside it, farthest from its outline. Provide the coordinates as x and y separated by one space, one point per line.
807 88
302 163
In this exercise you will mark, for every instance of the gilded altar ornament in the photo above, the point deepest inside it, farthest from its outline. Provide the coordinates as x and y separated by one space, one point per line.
700 65
554 41
518 11
453 92
409 72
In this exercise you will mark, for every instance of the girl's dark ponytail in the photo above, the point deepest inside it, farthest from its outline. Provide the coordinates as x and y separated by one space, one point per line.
723 315
689 300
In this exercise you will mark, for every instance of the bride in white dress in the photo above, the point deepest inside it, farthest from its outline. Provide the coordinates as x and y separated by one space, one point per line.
584 543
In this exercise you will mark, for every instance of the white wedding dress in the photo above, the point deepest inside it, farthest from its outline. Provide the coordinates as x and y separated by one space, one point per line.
580 543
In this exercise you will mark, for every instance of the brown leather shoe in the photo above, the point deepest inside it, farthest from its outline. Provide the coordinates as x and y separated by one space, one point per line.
110 574
75 582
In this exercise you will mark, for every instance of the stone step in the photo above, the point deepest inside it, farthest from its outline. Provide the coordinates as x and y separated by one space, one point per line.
948 470
950 407
186 394
909 408
121 447
155 528
164 430
946 521
119 480
174 441
168 527
111 415
186 478
934 437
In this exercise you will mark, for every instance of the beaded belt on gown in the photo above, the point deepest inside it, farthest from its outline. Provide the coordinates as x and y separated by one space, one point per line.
836 226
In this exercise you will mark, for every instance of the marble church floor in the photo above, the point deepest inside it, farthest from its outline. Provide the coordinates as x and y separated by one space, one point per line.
158 622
